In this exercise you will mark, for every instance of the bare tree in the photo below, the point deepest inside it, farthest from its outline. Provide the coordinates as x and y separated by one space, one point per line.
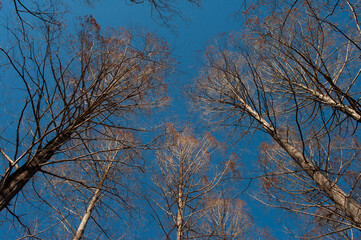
87 193
73 86
184 183
227 219
109 164
294 74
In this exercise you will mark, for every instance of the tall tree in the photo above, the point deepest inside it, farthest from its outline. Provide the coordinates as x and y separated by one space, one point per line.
86 192
227 219
73 86
294 74
184 183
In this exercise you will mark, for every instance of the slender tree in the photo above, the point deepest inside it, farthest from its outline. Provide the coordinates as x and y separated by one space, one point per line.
110 169
184 183
227 219
294 74
74 86
87 191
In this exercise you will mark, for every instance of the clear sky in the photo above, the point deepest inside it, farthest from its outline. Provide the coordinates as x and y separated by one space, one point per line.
187 39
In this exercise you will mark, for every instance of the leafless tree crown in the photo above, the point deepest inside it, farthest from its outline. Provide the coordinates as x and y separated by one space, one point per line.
294 74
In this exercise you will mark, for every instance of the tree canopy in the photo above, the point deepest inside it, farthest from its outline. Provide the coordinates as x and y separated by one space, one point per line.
88 149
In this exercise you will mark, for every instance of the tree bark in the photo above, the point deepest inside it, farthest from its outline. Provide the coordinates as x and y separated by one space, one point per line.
180 211
346 204
180 217
12 184
96 196
79 233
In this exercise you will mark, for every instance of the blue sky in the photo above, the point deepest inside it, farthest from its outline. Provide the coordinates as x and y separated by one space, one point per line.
187 40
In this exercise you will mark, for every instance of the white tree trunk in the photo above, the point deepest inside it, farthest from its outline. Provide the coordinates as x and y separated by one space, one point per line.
345 203
180 216
96 196
86 217
180 211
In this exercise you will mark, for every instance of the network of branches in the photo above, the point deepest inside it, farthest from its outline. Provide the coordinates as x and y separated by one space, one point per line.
80 161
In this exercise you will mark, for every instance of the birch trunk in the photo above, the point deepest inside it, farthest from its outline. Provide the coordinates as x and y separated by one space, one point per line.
180 217
180 211
346 204
79 233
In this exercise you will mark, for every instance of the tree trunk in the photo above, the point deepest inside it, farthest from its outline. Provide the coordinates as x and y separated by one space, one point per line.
86 217
180 211
11 185
180 216
79 233
347 205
